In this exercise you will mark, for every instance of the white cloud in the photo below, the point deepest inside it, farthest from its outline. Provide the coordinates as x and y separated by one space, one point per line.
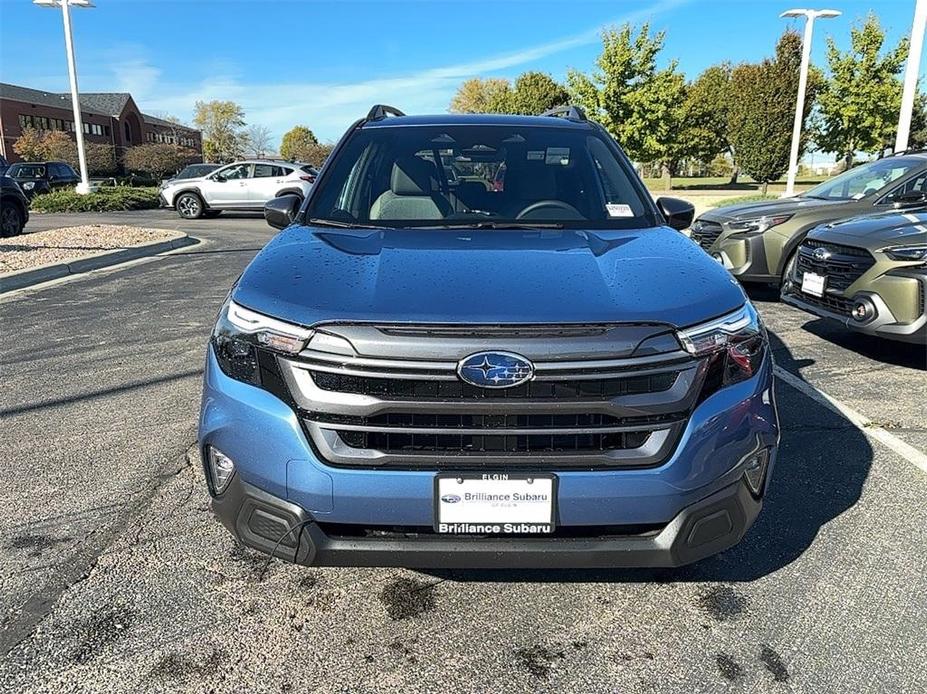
328 108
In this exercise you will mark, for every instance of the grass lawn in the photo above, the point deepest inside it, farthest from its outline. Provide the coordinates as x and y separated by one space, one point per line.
745 184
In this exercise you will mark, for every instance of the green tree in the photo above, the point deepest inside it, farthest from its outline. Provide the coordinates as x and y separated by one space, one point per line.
534 93
706 116
296 142
480 95
860 101
221 123
158 159
762 110
642 106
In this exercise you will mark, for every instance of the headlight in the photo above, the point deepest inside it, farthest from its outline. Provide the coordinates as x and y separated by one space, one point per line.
28 185
244 342
907 253
735 345
760 224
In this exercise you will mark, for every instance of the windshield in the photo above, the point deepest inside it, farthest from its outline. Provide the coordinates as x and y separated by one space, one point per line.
864 180
26 171
479 175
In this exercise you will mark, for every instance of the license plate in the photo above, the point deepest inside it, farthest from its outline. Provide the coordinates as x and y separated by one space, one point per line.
495 503
813 284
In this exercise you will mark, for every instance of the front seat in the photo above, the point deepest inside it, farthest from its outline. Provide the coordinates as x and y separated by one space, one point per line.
410 193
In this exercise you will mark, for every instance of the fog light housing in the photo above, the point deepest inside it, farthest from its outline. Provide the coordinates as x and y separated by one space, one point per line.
221 469
755 471
862 310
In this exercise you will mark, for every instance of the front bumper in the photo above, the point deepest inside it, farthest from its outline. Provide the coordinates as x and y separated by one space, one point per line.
280 484
744 256
274 526
884 322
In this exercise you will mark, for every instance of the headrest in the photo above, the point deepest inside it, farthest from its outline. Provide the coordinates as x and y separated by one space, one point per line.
412 176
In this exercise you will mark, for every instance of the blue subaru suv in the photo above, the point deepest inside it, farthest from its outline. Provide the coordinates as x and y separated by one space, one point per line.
480 343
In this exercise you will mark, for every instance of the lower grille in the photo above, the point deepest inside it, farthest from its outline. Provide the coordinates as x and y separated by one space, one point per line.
829 302
481 444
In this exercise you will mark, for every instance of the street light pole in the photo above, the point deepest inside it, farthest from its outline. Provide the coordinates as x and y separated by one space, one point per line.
810 16
910 75
84 186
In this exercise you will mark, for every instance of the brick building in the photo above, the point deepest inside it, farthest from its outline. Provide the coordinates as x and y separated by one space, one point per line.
109 118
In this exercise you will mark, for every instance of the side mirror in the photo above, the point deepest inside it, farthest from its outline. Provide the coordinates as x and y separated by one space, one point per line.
280 212
912 198
678 213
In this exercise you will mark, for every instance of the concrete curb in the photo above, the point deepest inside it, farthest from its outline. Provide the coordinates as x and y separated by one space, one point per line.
20 279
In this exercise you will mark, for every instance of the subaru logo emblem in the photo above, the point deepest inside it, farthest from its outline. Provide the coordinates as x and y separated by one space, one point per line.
820 254
495 369
450 498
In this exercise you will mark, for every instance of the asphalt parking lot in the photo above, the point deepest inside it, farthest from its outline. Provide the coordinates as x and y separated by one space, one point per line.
116 577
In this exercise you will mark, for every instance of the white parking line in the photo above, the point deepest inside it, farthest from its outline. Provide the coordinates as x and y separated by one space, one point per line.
861 422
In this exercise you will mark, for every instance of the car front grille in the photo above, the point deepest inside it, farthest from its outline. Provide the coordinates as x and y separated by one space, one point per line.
842 267
828 302
595 405
705 233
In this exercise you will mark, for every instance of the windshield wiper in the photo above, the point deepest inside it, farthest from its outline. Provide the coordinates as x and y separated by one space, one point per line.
493 225
343 225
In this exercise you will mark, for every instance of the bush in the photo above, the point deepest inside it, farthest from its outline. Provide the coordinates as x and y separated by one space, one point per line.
103 200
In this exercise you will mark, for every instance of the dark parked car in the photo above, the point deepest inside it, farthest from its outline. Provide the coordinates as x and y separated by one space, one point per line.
758 241
14 208
36 177
4 165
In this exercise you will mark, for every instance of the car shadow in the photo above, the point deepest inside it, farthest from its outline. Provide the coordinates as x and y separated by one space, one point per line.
905 354
822 465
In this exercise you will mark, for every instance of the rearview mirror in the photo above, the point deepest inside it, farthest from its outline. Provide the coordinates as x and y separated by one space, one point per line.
280 212
913 198
219 178
678 213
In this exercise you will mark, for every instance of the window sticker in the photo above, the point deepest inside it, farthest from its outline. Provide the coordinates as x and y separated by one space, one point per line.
619 210
558 155
536 155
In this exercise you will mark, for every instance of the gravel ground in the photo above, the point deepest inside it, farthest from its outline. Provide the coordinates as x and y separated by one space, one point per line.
71 243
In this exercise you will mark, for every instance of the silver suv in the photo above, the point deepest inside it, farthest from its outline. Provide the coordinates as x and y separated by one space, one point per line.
243 185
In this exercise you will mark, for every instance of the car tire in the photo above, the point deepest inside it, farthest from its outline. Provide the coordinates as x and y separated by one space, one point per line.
11 220
189 206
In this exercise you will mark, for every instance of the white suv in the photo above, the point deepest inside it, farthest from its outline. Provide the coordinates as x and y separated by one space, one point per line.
244 185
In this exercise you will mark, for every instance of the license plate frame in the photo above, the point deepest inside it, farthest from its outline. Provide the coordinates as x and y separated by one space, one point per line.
813 284
454 520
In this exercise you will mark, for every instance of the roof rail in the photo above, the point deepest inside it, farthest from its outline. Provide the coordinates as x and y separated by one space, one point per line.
381 111
574 113
908 151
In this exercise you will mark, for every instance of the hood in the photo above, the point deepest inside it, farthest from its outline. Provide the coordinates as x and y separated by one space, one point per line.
877 231
309 275
751 210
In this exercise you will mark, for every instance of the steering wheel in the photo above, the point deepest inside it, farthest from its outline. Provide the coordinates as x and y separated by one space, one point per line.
555 204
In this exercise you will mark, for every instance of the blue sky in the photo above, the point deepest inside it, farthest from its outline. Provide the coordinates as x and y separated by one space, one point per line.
322 63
